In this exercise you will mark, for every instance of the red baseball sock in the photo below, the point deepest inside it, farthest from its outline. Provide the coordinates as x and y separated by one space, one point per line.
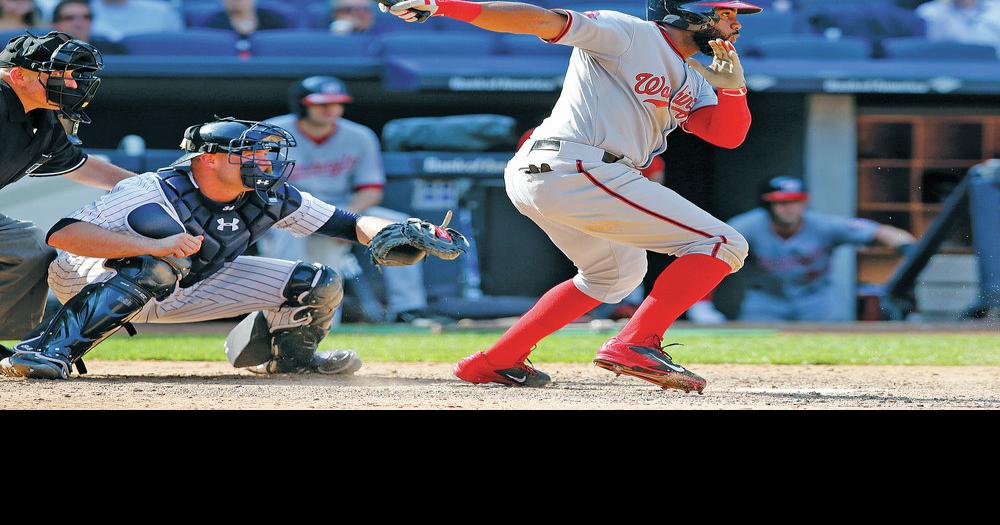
557 308
681 284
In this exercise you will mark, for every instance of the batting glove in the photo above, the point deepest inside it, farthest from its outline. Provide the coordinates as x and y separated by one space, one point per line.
409 10
726 71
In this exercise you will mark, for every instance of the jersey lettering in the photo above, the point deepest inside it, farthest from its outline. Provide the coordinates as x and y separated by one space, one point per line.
649 84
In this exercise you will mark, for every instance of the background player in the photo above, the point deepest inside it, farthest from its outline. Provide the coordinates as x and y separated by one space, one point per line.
166 247
340 162
788 272
630 83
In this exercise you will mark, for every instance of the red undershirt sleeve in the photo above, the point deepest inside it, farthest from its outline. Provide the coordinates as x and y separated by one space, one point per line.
725 124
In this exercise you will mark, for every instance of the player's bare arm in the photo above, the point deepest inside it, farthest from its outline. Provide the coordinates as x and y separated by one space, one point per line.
90 240
99 174
501 17
893 237
364 199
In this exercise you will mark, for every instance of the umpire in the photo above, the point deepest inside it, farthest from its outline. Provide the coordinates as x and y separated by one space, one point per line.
43 80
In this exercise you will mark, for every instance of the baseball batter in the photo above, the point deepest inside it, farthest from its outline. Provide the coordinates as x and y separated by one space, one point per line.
630 83
167 247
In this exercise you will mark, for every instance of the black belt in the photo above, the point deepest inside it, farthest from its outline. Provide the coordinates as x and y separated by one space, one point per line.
553 145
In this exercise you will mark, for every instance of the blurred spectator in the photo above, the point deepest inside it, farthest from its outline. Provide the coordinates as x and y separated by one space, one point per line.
790 250
117 19
351 16
340 162
18 14
75 18
244 17
965 21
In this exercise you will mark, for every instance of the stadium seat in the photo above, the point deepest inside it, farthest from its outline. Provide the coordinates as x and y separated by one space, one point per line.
875 22
922 49
292 42
531 45
769 23
457 44
202 42
198 14
810 47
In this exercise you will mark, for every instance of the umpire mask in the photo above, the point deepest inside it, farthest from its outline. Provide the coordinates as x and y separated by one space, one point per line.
60 57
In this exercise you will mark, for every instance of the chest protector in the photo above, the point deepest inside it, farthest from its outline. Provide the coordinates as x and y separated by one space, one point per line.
229 228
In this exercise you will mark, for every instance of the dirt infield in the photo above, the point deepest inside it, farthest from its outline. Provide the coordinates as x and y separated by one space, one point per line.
190 385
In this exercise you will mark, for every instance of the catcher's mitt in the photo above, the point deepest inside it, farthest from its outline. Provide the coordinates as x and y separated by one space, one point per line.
406 243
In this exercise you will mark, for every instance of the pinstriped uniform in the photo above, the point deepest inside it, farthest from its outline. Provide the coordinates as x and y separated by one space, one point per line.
244 285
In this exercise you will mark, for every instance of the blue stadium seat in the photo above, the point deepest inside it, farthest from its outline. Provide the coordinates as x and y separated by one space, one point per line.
810 47
203 42
922 49
769 23
531 45
198 14
293 42
459 44
876 21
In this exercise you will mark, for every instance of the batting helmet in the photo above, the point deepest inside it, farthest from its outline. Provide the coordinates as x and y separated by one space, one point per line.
316 90
244 139
672 12
783 189
62 57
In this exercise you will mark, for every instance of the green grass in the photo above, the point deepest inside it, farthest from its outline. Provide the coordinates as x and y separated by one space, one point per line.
700 346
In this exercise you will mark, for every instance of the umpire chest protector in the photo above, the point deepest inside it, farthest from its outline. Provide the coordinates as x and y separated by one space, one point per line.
229 228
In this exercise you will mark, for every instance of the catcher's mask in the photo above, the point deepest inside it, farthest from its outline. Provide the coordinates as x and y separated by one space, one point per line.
61 57
673 13
315 90
260 149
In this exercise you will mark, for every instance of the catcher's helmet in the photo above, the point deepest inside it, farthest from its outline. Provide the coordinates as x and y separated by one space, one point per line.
783 189
61 57
244 140
316 90
672 12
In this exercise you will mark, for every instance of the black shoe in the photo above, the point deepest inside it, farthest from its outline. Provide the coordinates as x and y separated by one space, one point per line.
5 352
421 315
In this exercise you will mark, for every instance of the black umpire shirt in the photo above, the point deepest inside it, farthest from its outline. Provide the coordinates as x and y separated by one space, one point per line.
32 144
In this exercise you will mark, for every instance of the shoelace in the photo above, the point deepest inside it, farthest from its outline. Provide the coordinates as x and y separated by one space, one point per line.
528 366
658 344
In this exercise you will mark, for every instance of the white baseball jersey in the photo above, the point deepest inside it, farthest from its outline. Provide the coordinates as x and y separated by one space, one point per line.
626 89
334 167
244 285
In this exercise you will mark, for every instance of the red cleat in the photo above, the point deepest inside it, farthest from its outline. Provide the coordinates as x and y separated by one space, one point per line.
648 362
477 369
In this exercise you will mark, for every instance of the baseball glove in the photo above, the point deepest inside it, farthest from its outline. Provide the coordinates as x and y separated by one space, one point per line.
406 243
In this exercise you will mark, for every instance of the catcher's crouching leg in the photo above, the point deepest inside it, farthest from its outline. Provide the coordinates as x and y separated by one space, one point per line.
286 341
92 315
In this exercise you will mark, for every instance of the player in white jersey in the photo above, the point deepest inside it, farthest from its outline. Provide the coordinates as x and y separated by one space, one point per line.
340 162
167 247
630 83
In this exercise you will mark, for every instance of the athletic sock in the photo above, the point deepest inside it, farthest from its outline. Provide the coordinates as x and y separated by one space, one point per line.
683 283
557 308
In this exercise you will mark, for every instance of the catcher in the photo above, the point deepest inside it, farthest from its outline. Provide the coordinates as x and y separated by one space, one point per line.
167 247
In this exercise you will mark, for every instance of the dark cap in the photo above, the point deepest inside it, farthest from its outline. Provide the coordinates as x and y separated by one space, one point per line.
30 51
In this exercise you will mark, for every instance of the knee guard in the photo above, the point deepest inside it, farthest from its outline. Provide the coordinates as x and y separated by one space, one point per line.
100 309
318 289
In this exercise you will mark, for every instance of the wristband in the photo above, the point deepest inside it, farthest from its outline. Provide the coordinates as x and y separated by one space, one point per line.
734 92
459 10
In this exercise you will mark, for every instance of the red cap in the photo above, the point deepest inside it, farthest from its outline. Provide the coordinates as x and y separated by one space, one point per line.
785 196
741 8
327 98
